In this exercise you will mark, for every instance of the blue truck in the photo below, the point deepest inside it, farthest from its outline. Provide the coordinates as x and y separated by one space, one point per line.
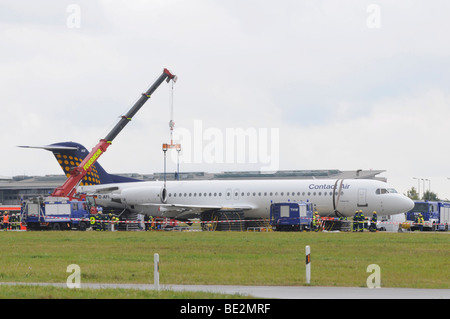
296 216
56 213
436 215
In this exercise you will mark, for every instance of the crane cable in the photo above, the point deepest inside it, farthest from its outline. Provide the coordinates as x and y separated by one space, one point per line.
171 126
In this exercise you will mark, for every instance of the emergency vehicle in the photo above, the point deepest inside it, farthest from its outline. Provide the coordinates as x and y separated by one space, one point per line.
57 213
436 215
295 216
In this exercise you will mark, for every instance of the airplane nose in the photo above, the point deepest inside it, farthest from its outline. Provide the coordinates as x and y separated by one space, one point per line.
406 204
398 204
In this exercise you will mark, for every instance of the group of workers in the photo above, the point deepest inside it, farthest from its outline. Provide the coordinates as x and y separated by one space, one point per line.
150 223
10 221
360 222
102 222
98 222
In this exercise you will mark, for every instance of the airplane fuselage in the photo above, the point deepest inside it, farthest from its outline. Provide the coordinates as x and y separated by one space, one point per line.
184 199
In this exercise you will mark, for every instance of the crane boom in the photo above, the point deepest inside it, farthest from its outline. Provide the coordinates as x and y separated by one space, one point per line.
68 189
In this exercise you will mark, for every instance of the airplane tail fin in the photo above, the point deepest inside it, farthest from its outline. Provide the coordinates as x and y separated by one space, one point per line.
70 154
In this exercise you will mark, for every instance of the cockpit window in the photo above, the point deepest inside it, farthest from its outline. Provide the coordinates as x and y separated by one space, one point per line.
385 191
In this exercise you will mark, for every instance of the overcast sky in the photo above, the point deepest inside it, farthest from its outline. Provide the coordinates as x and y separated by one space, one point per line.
324 84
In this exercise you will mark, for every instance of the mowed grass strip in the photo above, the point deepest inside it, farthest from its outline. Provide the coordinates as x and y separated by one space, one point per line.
48 292
416 260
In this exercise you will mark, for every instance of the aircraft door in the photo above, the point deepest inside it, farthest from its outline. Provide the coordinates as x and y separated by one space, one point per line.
362 197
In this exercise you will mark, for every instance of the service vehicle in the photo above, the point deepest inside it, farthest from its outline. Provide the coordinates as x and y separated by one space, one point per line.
436 215
57 213
291 216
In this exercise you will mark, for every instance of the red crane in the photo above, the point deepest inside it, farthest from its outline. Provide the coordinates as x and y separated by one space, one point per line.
68 189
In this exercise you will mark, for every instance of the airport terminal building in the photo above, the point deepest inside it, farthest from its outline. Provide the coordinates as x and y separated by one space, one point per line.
13 189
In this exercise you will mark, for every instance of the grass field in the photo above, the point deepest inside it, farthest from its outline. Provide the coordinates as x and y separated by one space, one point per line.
409 260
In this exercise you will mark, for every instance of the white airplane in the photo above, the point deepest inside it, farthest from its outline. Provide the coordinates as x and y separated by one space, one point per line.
188 199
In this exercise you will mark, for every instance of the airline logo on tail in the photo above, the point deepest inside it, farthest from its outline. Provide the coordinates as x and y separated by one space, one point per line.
71 154
67 161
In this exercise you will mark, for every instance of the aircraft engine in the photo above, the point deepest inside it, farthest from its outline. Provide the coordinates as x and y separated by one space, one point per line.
144 195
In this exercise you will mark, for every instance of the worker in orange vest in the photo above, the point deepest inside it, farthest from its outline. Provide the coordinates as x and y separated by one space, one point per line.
5 220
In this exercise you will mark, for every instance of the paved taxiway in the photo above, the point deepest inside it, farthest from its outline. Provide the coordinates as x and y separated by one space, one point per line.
282 292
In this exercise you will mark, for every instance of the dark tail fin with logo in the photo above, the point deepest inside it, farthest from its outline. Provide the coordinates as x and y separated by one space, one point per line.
70 154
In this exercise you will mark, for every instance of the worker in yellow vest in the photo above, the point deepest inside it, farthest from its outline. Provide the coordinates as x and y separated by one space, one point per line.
420 221
316 221
373 222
